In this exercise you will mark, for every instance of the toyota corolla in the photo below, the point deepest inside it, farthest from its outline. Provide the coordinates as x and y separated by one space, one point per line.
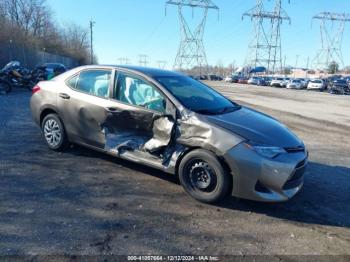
171 122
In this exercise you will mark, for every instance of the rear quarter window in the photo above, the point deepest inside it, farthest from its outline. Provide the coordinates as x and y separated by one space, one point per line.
72 82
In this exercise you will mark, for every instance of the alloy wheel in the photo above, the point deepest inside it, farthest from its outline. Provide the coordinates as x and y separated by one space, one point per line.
52 133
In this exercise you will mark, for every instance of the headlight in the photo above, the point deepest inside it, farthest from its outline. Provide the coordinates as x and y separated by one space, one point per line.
267 151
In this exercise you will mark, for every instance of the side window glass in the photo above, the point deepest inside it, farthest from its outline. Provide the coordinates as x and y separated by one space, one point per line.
72 83
94 82
135 91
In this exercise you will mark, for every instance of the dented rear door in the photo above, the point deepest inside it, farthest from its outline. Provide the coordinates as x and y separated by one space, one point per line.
83 104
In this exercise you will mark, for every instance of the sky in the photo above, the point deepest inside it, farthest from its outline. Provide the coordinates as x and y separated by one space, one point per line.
127 28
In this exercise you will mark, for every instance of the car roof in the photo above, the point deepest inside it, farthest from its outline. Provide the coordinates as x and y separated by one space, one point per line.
149 71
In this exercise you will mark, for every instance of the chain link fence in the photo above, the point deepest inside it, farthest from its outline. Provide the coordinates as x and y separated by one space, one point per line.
30 58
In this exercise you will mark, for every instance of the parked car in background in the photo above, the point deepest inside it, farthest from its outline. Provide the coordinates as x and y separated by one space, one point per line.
316 84
304 82
278 82
253 80
268 80
257 80
286 81
339 86
347 79
235 78
295 84
53 69
215 78
243 80
228 79
171 122
330 80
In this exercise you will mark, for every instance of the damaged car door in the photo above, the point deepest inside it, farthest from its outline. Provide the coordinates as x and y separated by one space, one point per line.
130 127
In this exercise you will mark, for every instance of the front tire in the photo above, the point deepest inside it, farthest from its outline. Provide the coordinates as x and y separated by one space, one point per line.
54 133
203 177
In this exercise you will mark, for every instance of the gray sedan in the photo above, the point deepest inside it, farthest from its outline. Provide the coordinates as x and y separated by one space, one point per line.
176 124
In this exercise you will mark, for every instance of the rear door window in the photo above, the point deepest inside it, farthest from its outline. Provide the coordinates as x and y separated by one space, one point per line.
93 82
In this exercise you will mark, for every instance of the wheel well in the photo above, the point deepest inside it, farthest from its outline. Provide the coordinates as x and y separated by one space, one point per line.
188 150
46 112
221 160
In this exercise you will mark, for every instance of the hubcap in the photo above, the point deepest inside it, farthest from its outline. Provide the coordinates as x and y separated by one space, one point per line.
202 176
52 132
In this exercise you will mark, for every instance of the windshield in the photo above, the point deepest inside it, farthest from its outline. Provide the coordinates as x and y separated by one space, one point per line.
196 96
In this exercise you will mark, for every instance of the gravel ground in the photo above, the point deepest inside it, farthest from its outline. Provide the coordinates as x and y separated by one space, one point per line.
82 202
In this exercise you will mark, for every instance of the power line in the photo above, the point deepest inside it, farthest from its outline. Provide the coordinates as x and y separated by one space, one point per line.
331 39
191 52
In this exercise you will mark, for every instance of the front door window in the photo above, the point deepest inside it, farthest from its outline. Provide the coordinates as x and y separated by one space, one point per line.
136 91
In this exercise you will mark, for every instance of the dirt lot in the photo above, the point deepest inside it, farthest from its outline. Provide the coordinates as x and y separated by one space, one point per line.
82 202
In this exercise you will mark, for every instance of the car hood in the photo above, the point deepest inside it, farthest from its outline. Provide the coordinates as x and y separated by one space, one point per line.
257 127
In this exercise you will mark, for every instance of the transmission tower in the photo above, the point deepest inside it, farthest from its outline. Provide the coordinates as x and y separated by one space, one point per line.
265 48
191 53
332 27
143 60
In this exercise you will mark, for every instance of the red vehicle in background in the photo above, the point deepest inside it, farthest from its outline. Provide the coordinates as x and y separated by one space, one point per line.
243 80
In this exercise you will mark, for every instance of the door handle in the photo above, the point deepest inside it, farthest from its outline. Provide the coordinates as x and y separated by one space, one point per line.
113 110
64 96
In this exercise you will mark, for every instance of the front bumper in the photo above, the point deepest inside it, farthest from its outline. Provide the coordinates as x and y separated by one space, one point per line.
268 180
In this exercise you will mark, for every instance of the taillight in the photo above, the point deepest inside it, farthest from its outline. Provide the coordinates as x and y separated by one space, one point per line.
35 89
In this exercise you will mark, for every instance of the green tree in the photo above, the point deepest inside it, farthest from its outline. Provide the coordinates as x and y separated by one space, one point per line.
333 68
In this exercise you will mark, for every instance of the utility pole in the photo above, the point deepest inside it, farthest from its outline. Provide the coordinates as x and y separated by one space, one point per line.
296 63
332 27
307 66
92 24
11 41
124 61
161 64
143 61
191 53
265 48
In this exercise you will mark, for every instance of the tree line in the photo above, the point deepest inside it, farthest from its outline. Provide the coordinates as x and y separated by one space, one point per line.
30 23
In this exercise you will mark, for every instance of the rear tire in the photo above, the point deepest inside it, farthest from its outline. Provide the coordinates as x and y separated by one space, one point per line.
203 177
54 132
